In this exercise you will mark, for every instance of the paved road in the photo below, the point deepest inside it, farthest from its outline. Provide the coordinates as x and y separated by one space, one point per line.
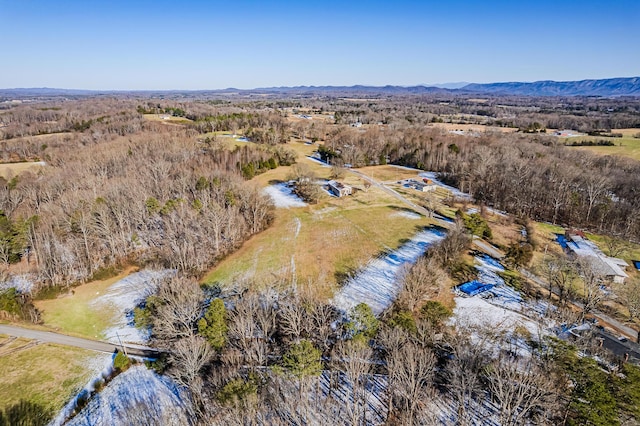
63 339
393 193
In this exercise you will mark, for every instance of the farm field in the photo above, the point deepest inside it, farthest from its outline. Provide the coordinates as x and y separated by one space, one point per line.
626 146
45 374
480 128
170 120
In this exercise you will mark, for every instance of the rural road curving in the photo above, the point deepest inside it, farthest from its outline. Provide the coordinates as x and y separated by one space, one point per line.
63 339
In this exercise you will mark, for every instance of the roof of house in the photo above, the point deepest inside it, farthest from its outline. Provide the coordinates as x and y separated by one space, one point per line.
602 264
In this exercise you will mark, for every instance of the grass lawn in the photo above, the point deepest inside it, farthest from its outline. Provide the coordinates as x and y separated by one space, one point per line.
46 374
74 314
389 173
621 248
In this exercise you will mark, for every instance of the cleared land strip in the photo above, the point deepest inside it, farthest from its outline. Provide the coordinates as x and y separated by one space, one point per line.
62 339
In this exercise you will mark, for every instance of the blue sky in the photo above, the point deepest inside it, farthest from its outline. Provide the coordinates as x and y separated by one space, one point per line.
141 44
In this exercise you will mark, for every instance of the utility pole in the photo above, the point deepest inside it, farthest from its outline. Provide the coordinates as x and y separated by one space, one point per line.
121 345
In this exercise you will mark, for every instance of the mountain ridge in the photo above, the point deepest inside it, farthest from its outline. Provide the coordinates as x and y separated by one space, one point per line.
611 87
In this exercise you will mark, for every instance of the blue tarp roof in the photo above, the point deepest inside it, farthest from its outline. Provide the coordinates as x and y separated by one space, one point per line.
636 263
474 287
561 240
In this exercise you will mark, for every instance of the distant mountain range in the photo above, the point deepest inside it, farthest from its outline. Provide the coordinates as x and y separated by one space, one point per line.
608 87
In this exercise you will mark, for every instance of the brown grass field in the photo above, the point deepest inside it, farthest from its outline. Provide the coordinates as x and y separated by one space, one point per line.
9 170
480 128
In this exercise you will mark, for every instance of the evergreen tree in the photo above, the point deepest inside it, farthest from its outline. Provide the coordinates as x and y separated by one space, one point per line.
213 326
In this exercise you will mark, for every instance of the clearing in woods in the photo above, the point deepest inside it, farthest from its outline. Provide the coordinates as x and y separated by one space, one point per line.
74 313
320 245
9 170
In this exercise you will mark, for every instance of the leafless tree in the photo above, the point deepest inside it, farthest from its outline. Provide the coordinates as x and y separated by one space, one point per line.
188 356
179 305
593 281
523 390
353 359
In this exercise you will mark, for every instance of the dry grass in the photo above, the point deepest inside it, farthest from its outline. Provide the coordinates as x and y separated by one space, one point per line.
480 128
74 314
321 243
46 374
9 170
389 173
170 120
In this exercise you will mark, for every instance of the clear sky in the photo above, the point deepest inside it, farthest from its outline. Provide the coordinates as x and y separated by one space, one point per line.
211 44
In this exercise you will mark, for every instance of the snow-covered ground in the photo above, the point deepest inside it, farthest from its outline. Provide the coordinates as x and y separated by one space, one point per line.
476 312
134 397
406 214
488 269
22 283
123 297
317 160
500 310
377 283
100 367
283 196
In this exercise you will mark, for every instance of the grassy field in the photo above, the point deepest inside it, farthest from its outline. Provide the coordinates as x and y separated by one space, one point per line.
73 314
46 374
8 170
481 128
170 120
322 243
627 146
389 173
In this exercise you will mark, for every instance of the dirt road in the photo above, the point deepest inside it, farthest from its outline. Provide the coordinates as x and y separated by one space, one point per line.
395 194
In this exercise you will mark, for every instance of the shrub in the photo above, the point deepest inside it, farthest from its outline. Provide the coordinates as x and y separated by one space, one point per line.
236 392
435 312
121 362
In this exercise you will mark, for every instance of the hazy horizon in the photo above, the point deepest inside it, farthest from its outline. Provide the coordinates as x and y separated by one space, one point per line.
160 45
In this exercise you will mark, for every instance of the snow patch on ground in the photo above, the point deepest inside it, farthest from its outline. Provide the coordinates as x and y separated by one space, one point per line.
22 283
123 297
100 367
298 225
476 312
406 214
283 197
316 160
134 396
377 283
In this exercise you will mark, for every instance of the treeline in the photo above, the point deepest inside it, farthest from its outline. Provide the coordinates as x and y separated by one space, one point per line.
528 176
